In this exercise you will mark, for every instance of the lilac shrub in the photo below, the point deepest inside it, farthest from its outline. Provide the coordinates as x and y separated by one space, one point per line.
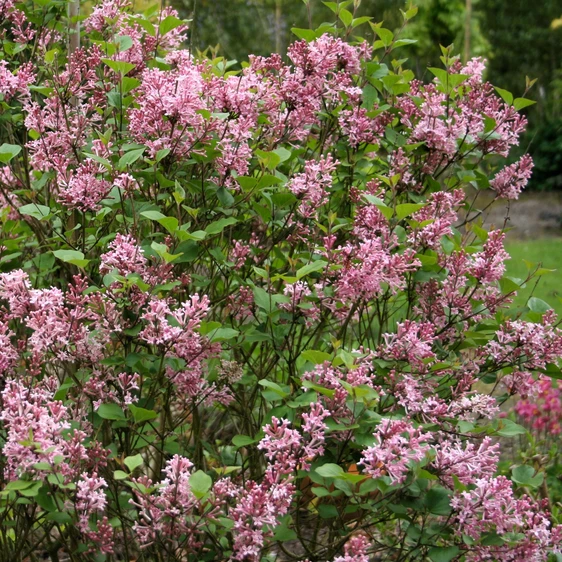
253 315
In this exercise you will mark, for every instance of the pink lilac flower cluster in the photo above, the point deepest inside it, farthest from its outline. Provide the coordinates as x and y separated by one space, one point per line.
40 443
12 84
436 218
174 511
448 132
84 188
465 461
447 303
543 410
492 507
35 424
170 113
510 181
63 325
91 500
530 345
19 26
411 343
311 186
257 511
339 380
368 266
355 550
286 448
116 17
397 445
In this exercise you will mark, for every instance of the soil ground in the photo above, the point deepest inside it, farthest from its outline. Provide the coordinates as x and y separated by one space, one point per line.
532 216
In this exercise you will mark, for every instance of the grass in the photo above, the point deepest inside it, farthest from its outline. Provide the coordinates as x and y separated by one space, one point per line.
548 253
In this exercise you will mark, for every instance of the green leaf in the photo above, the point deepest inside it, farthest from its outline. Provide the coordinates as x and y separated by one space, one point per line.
267 180
247 183
443 553
320 389
456 80
521 103
153 215
218 226
507 428
449 81
45 499
263 299
36 211
525 475
329 470
538 305
403 43
284 533
509 285
146 25
311 268
410 13
394 137
437 501
223 334
273 386
306 34
124 42
42 466
111 412
386 36
242 441
370 96
133 462
130 157
169 223
195 235
207 328
283 154
441 74
225 197
553 371
506 96
44 90
169 23
346 17
387 212
200 483
129 84
8 151
360 21
120 475
316 357
121 67
16 485
31 491
406 209
269 159
71 256
141 414
161 154
59 517
162 251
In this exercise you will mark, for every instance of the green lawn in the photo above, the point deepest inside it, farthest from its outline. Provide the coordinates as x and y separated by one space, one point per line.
548 253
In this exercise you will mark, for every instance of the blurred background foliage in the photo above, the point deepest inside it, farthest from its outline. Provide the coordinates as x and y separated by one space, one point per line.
519 38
